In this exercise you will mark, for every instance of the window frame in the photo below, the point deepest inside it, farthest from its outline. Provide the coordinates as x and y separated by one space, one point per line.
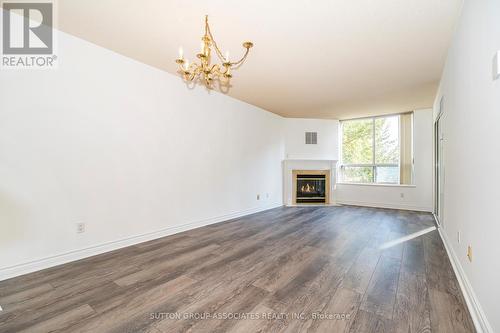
372 165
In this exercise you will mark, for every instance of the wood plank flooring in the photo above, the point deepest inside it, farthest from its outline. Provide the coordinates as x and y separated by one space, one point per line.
296 269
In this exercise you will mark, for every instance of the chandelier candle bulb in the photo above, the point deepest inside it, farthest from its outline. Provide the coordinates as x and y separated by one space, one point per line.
205 71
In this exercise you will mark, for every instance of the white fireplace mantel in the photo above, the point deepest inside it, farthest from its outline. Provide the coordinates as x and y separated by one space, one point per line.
307 164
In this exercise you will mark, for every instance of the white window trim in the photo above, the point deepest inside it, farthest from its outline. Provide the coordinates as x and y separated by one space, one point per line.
377 184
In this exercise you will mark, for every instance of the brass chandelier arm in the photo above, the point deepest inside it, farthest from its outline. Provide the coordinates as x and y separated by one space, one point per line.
239 62
217 70
195 72
191 72
218 51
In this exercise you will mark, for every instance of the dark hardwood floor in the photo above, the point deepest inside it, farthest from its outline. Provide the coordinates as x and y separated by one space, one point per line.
301 269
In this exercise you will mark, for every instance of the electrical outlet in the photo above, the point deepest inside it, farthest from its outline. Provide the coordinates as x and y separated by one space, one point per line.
80 228
258 196
402 195
469 253
267 195
458 236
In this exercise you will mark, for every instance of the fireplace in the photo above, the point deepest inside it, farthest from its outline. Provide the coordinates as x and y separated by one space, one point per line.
311 186
293 167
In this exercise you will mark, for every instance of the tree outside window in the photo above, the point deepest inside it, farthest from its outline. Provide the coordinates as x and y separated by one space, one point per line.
371 150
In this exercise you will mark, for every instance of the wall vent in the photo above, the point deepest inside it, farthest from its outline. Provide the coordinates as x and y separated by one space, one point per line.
311 138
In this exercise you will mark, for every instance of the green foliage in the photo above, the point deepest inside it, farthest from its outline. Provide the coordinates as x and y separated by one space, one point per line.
386 140
357 138
358 145
358 174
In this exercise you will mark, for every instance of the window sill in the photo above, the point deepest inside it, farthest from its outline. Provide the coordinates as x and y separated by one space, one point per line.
380 185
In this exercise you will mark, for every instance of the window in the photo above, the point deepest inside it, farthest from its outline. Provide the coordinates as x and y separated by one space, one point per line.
377 150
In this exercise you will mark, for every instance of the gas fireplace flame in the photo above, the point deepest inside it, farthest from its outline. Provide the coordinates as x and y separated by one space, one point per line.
307 188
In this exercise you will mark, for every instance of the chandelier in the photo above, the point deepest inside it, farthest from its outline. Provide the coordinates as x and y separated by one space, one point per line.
204 70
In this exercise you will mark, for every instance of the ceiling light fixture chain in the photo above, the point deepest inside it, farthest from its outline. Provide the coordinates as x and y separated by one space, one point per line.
204 70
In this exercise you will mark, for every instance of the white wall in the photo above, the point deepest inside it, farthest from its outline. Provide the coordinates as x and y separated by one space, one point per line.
327 147
415 197
471 155
125 148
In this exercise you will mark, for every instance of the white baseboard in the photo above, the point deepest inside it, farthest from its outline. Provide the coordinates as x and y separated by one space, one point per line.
478 316
385 205
47 262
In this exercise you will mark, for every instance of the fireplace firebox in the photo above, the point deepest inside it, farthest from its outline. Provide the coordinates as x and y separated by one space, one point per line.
311 188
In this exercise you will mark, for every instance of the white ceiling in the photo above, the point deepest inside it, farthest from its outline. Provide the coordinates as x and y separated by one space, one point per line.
321 58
